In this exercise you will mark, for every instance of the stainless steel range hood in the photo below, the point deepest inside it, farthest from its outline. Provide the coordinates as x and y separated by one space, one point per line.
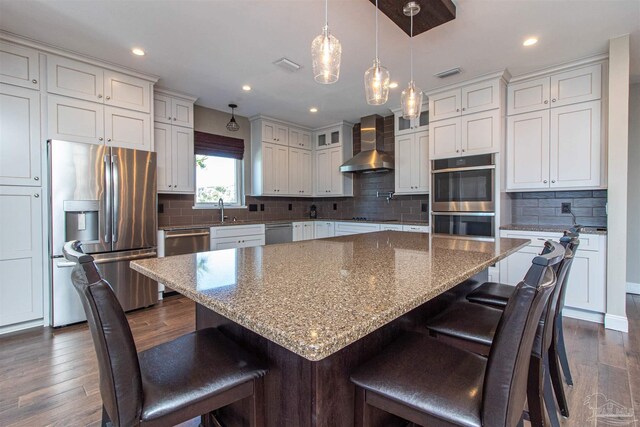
371 157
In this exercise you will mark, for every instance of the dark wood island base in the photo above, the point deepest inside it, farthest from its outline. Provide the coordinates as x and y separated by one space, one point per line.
303 393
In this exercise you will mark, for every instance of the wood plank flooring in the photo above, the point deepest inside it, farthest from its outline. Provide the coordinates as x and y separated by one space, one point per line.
49 377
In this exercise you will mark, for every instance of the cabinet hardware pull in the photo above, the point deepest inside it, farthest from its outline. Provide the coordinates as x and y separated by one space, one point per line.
553 181
168 118
464 109
174 119
108 139
99 96
457 151
545 181
35 178
457 110
169 185
34 81
100 139
553 100
107 97
546 102
36 195
463 150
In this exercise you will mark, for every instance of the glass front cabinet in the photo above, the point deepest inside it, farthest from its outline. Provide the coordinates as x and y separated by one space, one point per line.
326 138
404 126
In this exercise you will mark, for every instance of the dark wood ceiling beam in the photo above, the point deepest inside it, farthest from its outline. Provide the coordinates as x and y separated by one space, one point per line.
432 13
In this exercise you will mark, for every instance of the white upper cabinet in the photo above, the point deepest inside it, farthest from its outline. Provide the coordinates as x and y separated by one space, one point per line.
127 129
161 108
19 66
445 105
445 138
91 83
300 172
412 164
19 136
172 109
404 127
164 156
75 79
481 96
528 151
275 133
327 138
275 169
182 112
75 120
481 133
299 139
555 90
125 91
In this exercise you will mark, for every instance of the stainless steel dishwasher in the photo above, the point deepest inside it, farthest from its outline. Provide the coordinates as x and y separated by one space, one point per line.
278 233
185 241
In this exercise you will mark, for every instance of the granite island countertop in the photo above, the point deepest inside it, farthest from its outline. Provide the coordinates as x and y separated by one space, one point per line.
315 297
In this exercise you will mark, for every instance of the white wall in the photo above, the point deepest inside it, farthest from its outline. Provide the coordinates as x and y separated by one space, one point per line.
633 207
215 122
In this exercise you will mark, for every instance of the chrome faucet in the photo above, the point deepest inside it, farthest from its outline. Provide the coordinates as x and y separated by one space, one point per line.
221 206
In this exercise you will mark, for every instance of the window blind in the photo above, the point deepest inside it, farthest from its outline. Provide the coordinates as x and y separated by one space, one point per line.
208 144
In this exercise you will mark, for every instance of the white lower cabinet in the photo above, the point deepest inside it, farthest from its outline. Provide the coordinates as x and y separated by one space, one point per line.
586 288
390 227
348 228
236 236
416 228
303 231
21 256
323 229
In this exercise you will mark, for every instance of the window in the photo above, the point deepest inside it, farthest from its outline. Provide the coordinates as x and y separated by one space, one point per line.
218 178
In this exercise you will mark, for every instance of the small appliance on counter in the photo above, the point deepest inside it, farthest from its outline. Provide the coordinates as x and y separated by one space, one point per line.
313 214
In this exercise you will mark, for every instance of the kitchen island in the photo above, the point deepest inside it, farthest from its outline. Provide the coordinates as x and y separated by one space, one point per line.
316 309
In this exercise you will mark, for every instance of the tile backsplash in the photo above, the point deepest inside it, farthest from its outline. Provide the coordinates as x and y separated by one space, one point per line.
544 208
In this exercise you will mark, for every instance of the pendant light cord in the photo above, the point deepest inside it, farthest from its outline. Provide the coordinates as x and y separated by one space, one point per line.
376 30
326 13
411 46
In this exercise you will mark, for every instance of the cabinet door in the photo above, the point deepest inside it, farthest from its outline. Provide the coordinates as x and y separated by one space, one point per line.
585 286
282 170
127 129
444 138
528 151
402 126
514 267
445 105
121 90
21 255
268 168
306 173
298 231
294 138
281 135
164 156
182 113
162 109
575 145
404 162
531 95
336 179
295 168
481 97
75 120
76 79
19 136
323 229
268 132
308 230
423 164
183 166
19 66
322 140
305 140
571 87
481 133
323 169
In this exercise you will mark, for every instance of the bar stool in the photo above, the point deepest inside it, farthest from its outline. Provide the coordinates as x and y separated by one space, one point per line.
173 382
432 383
473 326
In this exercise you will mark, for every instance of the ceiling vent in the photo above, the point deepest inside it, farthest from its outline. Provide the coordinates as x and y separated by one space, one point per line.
287 64
448 73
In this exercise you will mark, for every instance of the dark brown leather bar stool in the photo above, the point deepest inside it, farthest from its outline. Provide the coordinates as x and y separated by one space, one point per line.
432 383
173 382
472 326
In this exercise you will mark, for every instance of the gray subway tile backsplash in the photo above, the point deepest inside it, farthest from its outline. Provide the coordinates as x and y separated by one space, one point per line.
544 207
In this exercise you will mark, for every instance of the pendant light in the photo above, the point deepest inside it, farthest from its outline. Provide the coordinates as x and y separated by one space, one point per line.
233 126
325 53
376 78
412 96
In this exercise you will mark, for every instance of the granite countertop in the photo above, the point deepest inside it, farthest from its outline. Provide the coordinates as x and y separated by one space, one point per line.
284 221
553 229
315 297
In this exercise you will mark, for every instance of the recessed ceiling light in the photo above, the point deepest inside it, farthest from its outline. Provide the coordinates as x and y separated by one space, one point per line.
137 51
313 110
393 85
246 88
530 41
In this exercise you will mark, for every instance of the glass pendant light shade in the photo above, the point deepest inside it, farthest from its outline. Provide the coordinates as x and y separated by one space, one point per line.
326 52
376 84
411 101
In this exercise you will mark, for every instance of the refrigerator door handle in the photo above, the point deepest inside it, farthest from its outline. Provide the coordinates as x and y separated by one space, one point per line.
65 264
107 198
116 197
127 258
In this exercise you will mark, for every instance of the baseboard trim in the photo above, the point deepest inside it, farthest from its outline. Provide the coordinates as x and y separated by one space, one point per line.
617 323
589 316
633 288
21 326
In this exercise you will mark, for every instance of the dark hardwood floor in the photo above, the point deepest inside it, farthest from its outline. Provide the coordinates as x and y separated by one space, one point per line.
50 377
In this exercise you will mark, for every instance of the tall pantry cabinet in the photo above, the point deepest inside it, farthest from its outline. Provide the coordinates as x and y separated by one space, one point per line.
46 93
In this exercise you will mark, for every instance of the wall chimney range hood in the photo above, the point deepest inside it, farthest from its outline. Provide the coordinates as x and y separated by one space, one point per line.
371 157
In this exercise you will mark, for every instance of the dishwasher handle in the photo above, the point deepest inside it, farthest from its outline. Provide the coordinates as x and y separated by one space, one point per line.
173 236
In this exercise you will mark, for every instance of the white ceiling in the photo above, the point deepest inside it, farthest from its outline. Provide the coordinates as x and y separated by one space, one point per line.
211 48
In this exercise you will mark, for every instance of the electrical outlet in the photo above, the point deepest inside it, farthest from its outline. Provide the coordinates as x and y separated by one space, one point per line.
253 207
335 206
160 208
290 206
261 206
424 207
566 208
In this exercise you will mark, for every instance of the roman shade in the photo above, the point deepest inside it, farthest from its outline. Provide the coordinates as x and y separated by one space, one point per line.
208 144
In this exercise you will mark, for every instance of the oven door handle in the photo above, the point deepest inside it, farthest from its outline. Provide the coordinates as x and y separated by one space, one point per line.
464 213
468 168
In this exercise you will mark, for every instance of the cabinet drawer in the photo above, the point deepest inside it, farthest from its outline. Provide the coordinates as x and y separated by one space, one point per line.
236 242
19 66
74 79
237 230
125 91
416 228
346 228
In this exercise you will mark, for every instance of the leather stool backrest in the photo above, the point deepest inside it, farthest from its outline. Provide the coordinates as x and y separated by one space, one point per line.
574 242
120 377
505 382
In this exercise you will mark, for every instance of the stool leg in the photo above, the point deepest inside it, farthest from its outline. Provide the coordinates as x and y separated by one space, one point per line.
549 401
556 381
256 416
535 399
561 350
362 410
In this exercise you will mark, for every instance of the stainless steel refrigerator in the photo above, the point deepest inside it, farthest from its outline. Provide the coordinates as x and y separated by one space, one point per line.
106 198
